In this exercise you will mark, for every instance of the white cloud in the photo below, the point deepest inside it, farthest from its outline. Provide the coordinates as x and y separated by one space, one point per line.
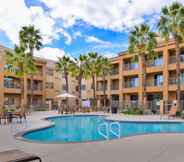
115 15
50 53
15 14
93 39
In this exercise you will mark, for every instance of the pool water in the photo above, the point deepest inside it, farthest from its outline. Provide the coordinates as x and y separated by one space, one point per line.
83 128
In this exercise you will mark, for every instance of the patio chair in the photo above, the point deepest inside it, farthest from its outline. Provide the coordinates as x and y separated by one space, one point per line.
172 112
17 156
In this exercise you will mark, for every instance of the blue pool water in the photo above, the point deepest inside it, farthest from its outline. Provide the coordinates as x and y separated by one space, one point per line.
85 128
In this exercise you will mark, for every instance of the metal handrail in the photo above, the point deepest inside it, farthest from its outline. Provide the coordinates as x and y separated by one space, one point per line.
109 129
112 131
106 136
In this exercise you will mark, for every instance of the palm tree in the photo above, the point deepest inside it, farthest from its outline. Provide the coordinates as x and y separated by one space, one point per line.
21 65
79 70
142 42
63 65
94 71
105 69
171 25
30 38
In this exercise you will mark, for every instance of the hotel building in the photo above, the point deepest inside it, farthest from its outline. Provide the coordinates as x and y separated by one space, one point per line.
124 84
47 84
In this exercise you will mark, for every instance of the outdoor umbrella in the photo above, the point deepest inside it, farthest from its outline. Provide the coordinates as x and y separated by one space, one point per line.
66 96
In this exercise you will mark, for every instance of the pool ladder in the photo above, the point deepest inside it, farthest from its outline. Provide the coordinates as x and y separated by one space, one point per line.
109 129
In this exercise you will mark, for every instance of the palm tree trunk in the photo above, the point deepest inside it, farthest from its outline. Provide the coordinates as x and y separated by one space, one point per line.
32 91
94 91
31 83
104 92
143 80
79 95
67 90
178 75
22 95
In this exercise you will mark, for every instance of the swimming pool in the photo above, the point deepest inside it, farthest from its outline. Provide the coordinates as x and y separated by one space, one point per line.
83 128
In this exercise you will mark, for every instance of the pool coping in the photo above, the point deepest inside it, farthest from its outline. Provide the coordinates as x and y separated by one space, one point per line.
19 135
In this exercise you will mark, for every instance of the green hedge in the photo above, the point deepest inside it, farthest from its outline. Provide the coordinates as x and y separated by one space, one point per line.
133 111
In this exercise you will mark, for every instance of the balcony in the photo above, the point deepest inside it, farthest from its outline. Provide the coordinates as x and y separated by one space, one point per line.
131 66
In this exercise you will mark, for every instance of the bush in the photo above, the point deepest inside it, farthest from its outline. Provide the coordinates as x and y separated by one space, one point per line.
133 111
41 109
178 114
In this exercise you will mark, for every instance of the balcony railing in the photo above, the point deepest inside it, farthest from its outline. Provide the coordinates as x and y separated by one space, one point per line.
172 59
115 71
173 81
130 66
101 88
114 87
35 87
154 82
130 85
11 85
156 62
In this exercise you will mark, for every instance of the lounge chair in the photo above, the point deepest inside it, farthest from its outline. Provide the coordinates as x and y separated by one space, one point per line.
17 156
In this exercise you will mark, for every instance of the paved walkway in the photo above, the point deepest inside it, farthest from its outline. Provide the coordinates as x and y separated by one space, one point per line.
144 148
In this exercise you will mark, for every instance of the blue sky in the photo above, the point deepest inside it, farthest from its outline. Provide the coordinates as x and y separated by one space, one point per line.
76 27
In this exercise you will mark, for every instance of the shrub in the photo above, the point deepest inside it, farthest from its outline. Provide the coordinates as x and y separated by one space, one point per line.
133 111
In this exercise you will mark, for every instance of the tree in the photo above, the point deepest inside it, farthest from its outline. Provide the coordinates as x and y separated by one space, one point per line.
21 65
171 25
94 71
63 65
142 42
30 38
105 69
79 70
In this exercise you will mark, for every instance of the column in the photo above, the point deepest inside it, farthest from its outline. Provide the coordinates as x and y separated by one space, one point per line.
165 74
1 82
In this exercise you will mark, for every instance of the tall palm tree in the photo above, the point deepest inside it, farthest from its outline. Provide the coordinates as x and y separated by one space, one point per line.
21 65
63 65
94 71
105 69
171 25
79 70
30 38
142 42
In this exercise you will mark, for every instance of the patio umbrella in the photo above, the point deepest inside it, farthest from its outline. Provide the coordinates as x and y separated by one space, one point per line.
65 95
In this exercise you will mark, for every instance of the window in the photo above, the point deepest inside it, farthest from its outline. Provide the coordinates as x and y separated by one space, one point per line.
83 87
9 100
50 72
64 87
49 85
158 79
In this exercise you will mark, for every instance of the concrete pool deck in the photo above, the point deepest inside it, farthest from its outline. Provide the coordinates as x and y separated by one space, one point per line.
144 148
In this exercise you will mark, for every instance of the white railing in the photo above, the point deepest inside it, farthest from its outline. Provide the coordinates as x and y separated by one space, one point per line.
117 134
105 135
109 129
